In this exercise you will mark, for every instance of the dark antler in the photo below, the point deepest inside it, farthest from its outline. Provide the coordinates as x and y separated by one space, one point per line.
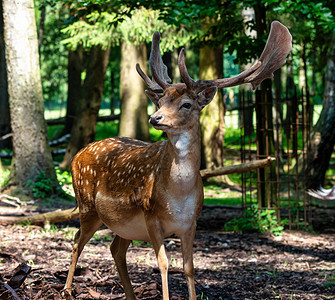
277 47
161 79
190 83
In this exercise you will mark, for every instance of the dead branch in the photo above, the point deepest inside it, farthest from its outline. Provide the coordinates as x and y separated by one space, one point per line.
100 119
245 167
43 219
9 288
6 136
11 200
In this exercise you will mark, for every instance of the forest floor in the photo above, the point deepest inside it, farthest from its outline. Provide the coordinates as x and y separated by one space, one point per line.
298 265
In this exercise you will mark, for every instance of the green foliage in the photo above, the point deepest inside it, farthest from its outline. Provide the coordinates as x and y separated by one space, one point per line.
42 187
50 229
255 221
96 29
4 176
53 55
106 130
107 29
64 177
99 237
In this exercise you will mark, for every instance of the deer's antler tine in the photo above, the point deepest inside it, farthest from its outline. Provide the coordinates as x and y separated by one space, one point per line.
277 47
158 69
152 85
183 70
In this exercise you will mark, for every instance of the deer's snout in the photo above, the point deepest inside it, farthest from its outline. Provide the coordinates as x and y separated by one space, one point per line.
155 120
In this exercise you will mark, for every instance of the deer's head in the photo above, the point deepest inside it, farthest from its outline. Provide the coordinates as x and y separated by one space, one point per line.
179 104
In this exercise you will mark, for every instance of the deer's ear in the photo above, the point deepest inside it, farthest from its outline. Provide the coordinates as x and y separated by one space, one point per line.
206 96
154 97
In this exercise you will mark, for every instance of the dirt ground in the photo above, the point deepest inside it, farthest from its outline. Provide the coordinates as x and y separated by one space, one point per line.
298 265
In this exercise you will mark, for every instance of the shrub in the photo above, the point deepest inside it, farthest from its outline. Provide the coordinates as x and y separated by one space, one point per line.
255 221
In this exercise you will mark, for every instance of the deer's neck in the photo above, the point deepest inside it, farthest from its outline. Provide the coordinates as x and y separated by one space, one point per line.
182 160
185 147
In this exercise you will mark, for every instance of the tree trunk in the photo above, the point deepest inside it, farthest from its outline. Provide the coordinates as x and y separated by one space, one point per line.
84 126
290 95
265 141
31 150
323 135
133 101
212 116
4 104
41 28
246 97
74 70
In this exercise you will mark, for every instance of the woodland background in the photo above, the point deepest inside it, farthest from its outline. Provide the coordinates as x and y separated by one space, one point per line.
67 78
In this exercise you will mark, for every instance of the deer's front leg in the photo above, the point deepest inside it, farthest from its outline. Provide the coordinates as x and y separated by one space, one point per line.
156 237
187 240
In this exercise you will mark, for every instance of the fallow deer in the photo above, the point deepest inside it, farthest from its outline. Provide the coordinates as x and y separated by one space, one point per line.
322 193
148 192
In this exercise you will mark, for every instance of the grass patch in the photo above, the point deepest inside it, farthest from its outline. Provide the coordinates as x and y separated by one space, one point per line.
223 201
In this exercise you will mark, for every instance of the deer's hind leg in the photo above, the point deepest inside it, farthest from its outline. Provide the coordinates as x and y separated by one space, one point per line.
118 249
89 224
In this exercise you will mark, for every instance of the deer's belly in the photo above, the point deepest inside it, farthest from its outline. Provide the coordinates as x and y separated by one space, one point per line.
134 228
121 217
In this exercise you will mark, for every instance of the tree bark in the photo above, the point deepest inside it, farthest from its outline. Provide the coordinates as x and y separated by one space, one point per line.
41 28
133 101
74 70
32 154
4 102
323 135
84 126
212 116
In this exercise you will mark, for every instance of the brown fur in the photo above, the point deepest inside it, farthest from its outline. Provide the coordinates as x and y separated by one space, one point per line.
119 168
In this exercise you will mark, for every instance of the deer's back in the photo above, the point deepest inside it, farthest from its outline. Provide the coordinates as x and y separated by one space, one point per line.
121 171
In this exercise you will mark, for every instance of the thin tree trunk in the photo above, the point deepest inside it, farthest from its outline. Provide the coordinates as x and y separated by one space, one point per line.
323 135
4 103
133 101
265 140
246 113
41 28
84 126
74 69
32 154
290 93
212 116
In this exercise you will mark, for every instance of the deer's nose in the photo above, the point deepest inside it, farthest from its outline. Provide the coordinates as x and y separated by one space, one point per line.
155 120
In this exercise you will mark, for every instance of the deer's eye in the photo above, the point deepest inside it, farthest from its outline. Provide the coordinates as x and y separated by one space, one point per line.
186 105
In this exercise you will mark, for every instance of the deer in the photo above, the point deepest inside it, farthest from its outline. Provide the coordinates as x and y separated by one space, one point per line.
322 193
147 192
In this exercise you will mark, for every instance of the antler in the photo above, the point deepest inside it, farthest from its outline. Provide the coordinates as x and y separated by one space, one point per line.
277 47
161 79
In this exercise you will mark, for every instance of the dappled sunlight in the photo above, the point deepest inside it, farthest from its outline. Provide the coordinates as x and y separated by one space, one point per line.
227 265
